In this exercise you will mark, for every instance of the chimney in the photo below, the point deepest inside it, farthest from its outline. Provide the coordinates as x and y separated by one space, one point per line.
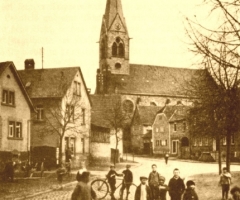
29 64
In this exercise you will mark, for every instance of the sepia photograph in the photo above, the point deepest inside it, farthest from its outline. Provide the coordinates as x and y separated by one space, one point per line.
120 100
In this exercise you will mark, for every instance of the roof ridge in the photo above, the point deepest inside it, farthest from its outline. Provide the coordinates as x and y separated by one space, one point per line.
50 68
133 64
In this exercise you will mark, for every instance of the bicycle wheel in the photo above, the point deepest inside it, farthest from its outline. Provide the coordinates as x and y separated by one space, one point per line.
131 192
100 187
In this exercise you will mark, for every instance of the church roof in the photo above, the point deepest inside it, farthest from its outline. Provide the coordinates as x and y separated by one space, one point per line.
153 80
113 8
147 114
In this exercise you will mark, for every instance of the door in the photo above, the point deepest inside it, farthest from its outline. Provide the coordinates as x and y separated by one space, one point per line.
174 147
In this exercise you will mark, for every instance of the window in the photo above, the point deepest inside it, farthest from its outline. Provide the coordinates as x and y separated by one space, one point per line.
118 48
224 141
39 112
70 144
8 97
164 142
205 141
83 116
70 113
77 88
156 130
161 129
14 129
194 142
157 142
232 139
83 145
200 141
175 127
184 126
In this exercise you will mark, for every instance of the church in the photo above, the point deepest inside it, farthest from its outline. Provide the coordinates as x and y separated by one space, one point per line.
135 84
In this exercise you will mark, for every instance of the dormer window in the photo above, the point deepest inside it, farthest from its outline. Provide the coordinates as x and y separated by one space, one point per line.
118 48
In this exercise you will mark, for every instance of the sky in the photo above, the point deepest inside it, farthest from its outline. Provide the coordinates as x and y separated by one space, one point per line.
69 32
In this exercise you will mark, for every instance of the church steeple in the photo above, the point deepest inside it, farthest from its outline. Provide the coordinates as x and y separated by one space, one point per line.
114 41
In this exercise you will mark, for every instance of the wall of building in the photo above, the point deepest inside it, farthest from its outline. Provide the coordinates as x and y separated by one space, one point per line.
20 112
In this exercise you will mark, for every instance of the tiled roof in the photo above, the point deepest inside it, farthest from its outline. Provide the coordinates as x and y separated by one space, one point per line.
175 112
51 82
147 114
101 109
3 66
153 80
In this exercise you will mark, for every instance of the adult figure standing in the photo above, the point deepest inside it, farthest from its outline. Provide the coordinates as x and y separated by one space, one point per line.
176 186
166 158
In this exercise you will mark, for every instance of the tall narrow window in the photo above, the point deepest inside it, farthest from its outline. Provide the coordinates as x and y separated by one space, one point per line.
83 145
83 116
175 127
5 96
79 89
121 50
40 114
18 129
11 128
11 98
184 126
114 49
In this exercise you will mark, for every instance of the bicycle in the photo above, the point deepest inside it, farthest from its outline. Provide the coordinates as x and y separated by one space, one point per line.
102 188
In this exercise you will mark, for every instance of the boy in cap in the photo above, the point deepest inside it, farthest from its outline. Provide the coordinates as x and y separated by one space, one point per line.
235 192
143 191
225 181
154 182
163 188
127 181
190 193
111 176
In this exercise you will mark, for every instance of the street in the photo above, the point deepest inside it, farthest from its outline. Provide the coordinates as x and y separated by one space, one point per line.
143 169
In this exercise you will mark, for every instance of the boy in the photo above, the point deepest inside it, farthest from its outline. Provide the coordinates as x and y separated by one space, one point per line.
111 176
143 191
190 193
163 188
127 181
176 186
82 190
154 182
225 181
235 192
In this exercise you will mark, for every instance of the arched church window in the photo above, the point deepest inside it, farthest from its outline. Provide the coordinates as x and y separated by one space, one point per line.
121 50
114 49
118 48
128 106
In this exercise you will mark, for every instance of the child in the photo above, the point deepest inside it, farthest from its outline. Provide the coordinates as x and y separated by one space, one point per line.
225 181
176 186
60 173
127 181
83 190
235 192
111 176
190 193
143 191
154 181
163 188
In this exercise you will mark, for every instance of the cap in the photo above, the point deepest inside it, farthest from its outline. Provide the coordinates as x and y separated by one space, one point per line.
143 177
189 183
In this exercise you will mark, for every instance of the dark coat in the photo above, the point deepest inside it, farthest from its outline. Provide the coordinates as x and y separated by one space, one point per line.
83 191
128 176
176 187
138 193
154 179
190 194
111 176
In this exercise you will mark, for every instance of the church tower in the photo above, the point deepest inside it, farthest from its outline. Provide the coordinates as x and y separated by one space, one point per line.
113 45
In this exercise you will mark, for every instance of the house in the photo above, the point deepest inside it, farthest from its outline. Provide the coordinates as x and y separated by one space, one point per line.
106 129
61 126
15 109
141 128
170 131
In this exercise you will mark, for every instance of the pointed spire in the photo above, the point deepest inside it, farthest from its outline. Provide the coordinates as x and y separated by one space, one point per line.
113 8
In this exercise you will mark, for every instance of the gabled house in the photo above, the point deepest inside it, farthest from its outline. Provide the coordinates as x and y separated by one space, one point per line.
63 116
15 115
170 133
141 128
106 141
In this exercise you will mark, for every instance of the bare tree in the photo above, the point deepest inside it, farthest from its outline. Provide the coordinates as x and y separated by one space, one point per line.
218 49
